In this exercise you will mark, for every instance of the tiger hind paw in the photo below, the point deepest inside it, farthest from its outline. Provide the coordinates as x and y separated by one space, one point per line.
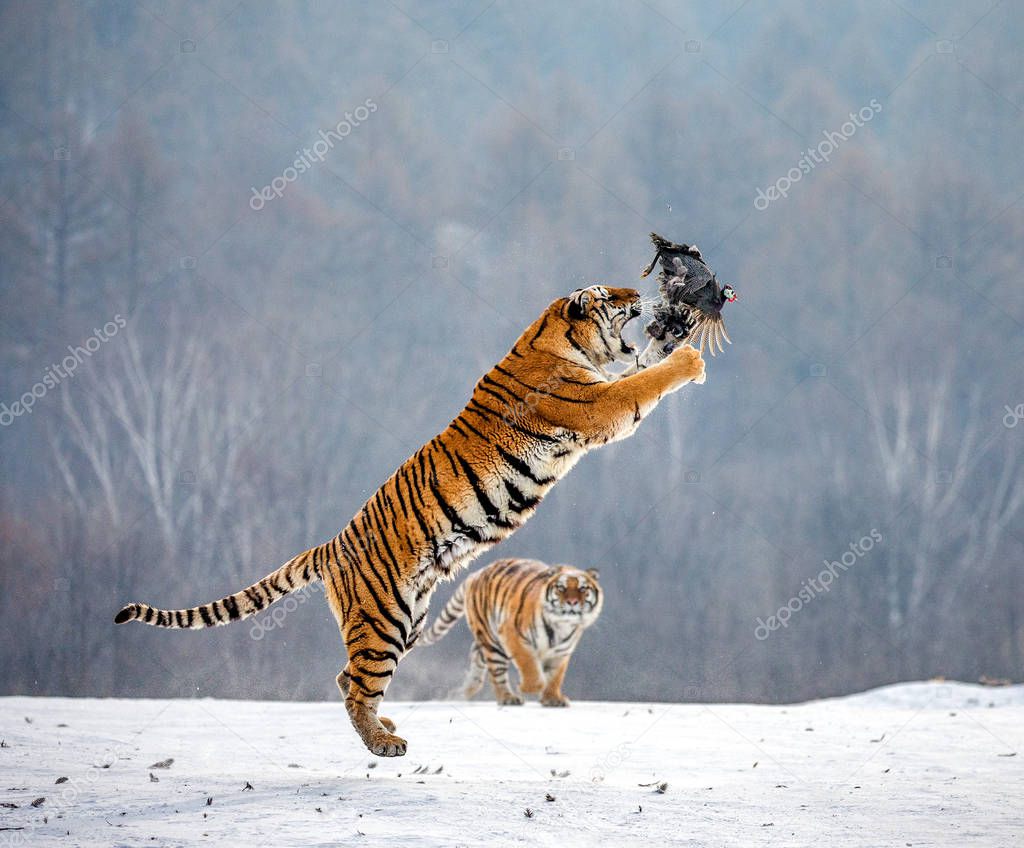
387 745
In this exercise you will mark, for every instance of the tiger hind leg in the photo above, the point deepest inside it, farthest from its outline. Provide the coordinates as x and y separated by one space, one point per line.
476 675
497 667
372 662
343 686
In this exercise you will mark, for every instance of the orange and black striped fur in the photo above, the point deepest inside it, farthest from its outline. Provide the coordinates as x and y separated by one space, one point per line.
530 419
525 612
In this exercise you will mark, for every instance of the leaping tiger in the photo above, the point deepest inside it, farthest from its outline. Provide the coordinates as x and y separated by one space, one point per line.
529 421
525 612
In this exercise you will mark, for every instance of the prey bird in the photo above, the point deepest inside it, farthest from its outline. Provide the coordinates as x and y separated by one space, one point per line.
691 298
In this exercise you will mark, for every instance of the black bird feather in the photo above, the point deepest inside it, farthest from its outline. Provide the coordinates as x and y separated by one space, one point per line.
691 298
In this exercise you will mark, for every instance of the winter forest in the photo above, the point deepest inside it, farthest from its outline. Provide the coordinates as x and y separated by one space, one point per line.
252 255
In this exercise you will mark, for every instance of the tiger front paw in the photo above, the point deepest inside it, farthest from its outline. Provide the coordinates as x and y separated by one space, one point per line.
531 687
510 699
686 361
554 700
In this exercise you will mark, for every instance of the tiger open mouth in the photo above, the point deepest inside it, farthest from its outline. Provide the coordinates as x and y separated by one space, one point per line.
625 347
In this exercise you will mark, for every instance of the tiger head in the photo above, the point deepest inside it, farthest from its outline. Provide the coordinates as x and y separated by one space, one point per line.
572 594
593 320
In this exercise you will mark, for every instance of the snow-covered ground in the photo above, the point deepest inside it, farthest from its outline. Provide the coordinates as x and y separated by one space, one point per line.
917 764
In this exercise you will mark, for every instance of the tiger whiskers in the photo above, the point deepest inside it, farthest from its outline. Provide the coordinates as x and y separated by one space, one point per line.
647 305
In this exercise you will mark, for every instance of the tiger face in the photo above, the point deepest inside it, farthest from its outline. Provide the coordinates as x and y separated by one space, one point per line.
596 317
572 594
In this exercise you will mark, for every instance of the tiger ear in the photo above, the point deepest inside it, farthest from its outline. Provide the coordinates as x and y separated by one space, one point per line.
579 303
593 572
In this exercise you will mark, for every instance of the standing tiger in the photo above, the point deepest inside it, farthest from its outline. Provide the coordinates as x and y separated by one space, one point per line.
526 612
528 422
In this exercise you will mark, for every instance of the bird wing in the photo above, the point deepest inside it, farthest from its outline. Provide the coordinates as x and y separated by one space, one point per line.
694 284
674 267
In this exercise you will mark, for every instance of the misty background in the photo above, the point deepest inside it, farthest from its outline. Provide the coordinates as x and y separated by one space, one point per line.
277 352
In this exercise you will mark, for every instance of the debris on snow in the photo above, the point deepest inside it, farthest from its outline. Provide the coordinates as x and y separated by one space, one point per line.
497 767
